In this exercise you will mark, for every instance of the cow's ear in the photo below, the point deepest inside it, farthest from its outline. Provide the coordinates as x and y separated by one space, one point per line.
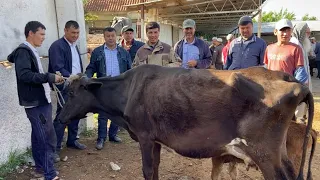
93 85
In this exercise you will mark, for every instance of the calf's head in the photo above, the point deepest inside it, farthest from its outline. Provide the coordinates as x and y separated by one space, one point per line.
81 99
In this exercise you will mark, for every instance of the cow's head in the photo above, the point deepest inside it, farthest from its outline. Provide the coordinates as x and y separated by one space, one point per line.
81 99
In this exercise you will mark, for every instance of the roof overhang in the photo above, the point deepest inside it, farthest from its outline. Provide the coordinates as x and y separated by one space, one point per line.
210 16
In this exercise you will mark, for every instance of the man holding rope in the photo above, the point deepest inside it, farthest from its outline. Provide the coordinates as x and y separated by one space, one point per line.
34 95
64 57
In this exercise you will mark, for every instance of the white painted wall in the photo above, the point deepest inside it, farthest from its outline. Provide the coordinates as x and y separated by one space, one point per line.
15 130
166 33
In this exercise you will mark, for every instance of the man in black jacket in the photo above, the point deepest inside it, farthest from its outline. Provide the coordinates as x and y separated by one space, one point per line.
34 95
64 57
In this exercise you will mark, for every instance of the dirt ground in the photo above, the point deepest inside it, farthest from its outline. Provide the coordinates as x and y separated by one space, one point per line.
91 164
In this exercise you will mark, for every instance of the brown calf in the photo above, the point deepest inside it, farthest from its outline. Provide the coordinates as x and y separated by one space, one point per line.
294 144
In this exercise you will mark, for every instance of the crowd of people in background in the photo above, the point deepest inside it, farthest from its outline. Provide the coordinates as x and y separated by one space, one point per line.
294 52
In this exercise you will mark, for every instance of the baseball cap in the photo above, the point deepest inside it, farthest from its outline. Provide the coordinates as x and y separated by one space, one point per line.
244 20
229 36
214 39
283 23
126 28
219 40
189 23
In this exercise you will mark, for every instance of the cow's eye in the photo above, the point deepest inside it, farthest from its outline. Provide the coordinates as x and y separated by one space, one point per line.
70 93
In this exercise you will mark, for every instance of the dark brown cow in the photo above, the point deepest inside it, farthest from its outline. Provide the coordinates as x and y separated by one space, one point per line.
294 143
199 113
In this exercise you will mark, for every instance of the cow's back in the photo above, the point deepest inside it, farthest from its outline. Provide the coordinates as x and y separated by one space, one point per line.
180 103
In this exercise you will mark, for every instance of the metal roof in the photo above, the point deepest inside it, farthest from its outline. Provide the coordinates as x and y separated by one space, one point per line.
108 5
213 16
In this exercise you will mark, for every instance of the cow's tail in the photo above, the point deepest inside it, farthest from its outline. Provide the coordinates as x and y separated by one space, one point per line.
314 143
309 101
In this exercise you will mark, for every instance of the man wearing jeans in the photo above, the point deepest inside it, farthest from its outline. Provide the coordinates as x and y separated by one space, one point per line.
110 60
34 95
64 57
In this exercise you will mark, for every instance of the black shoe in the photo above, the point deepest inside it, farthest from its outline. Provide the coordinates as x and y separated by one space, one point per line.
115 139
100 144
77 145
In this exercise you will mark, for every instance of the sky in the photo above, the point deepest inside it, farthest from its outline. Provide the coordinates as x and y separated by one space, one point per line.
299 7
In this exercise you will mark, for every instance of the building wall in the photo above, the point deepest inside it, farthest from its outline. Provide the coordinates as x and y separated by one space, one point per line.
15 130
166 33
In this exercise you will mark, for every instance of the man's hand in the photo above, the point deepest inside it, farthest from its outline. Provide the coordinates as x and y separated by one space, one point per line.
58 79
89 51
192 63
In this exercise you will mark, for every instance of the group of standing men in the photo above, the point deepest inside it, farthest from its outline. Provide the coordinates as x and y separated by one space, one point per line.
112 59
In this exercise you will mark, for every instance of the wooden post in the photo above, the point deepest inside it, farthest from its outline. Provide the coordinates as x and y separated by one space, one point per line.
259 19
142 21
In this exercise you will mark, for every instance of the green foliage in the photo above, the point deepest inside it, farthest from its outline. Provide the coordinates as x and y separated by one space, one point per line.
15 159
274 16
306 17
89 133
88 17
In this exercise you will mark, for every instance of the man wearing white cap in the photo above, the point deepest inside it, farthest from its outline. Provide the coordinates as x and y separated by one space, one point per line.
226 48
284 55
213 44
217 55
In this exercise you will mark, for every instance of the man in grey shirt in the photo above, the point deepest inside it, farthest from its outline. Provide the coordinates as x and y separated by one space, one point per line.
217 55
246 50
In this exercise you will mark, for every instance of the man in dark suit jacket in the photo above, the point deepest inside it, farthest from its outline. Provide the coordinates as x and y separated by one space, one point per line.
64 57
108 60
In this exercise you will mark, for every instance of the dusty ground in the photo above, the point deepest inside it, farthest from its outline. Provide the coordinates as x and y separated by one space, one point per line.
91 164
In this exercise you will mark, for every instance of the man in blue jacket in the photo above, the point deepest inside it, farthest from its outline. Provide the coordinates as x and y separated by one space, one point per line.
108 60
64 57
194 52
128 42
34 96
247 50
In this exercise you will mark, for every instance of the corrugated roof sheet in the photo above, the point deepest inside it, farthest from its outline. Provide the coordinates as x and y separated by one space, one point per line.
108 5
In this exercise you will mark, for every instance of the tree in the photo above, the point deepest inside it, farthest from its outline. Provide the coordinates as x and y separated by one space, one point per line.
88 16
274 16
307 18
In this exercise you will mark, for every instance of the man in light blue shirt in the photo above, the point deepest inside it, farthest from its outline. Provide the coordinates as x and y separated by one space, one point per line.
194 52
108 60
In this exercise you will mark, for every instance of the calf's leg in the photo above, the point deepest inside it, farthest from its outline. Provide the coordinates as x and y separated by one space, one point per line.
233 170
217 164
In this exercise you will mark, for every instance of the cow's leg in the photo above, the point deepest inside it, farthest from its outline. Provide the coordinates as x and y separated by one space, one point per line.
288 167
233 170
217 164
156 160
146 147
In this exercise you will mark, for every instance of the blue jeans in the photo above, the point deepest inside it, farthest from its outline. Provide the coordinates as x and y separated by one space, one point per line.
318 68
60 128
43 139
102 127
